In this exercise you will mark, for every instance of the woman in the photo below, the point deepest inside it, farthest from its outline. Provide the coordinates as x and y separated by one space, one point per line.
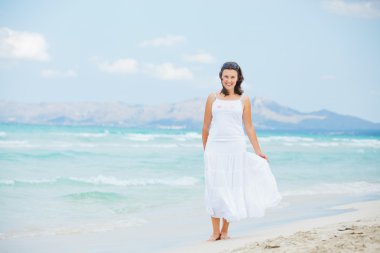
238 184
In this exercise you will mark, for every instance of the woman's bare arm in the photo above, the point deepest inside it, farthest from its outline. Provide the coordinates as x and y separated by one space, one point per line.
249 129
207 119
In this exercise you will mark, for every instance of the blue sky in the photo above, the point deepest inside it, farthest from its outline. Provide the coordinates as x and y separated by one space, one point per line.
308 55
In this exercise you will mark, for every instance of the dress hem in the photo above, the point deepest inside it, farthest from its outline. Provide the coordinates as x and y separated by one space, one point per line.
272 204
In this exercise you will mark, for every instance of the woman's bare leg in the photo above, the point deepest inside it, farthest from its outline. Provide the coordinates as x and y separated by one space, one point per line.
215 229
224 232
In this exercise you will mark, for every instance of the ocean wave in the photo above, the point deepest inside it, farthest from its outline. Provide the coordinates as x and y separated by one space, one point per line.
356 188
149 137
105 133
141 137
48 145
94 196
371 143
2 134
72 148
7 182
287 139
172 145
17 144
188 136
316 142
102 180
92 135
313 144
350 144
173 127
83 228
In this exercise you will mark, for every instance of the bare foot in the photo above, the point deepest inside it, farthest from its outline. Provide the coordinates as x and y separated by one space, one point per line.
224 236
214 237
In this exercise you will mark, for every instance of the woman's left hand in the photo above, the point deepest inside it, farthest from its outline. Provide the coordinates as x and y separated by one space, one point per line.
263 156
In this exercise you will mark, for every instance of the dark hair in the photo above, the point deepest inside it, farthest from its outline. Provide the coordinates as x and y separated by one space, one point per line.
234 66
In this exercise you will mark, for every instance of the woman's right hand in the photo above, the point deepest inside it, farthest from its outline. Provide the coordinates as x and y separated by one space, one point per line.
263 156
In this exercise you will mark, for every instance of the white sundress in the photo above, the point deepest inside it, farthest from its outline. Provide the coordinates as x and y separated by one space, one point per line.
238 184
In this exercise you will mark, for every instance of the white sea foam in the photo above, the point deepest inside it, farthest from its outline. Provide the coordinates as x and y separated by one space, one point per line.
356 188
2 134
286 138
174 127
150 137
188 136
67 145
92 135
25 144
107 180
173 145
316 142
17 144
370 143
110 180
27 181
193 135
105 133
168 145
141 137
312 144
192 145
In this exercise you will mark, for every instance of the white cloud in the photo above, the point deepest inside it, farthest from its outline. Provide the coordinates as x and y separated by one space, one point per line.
202 58
51 73
362 9
168 71
168 40
122 66
22 45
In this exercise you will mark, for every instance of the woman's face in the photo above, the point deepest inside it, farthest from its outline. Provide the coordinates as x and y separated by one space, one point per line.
229 79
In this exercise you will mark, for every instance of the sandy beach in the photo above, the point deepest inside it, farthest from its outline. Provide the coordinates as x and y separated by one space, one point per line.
357 230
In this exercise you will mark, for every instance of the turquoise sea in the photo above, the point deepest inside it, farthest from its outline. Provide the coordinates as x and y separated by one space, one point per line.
63 184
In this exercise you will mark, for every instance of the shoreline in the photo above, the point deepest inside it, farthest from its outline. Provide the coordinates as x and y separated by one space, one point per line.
193 224
361 218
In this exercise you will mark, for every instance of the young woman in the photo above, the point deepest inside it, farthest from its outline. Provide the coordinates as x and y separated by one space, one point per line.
238 184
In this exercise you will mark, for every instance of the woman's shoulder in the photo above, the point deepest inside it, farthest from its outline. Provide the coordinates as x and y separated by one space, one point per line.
245 97
212 96
210 99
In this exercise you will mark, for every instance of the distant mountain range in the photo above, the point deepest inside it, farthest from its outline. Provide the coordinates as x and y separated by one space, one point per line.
267 115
